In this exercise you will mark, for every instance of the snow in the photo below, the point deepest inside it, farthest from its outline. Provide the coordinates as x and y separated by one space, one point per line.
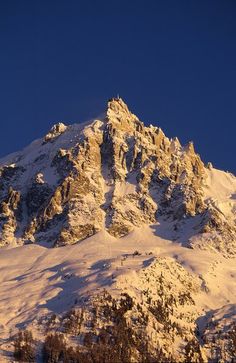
35 162
220 188
36 281
37 157
124 188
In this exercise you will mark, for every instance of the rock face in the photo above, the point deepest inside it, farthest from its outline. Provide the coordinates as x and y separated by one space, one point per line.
112 173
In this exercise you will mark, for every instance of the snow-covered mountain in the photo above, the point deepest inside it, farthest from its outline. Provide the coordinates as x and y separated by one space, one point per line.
135 213
113 174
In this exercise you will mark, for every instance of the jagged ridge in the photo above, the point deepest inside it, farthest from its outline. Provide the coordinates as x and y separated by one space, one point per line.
112 173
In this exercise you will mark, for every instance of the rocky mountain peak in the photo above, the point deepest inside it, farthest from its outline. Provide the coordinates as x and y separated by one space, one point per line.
55 131
116 107
115 174
146 208
120 116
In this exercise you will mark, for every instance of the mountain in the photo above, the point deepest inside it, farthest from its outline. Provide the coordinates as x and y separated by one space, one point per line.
147 238
112 174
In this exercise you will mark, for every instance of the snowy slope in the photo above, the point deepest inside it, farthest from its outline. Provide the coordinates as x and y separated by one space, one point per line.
220 189
134 212
36 281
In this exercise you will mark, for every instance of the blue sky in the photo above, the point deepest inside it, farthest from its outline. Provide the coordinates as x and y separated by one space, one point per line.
173 62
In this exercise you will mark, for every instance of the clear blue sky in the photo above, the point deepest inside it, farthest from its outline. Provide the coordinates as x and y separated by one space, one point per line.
173 62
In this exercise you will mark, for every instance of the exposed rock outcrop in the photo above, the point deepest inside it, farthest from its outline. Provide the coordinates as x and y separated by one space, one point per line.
113 173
